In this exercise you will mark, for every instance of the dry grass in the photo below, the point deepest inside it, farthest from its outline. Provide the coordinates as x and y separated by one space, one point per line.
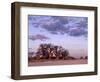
57 62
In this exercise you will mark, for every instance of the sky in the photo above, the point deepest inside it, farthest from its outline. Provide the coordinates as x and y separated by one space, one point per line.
67 31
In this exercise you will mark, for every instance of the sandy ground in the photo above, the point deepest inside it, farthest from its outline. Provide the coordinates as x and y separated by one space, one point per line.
58 62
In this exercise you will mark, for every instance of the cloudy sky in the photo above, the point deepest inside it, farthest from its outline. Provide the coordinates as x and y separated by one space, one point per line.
66 31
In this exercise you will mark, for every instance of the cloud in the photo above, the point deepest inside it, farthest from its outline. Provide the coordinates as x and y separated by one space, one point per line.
83 22
38 37
56 27
62 19
73 26
77 32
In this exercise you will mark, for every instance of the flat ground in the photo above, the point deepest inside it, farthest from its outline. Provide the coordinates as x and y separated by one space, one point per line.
57 62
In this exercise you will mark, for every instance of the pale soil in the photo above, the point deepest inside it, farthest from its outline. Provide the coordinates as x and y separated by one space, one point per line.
57 62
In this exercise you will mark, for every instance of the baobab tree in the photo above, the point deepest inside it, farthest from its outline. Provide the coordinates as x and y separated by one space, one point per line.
49 51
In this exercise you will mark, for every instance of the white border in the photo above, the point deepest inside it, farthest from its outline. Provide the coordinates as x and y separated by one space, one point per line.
25 70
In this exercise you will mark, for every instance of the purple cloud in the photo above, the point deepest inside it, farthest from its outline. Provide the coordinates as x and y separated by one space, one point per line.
77 31
38 37
73 26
